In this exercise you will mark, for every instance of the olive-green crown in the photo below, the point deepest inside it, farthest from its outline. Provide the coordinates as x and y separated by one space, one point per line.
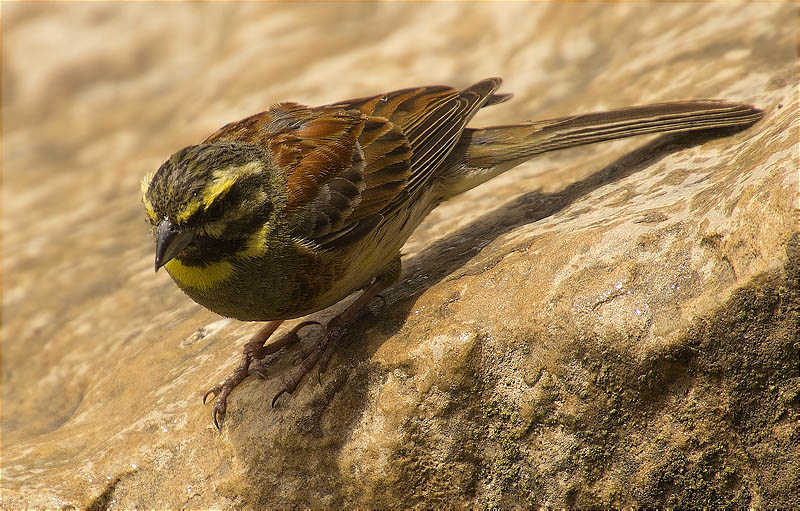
194 185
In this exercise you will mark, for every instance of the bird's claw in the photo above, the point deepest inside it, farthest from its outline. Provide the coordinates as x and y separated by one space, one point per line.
220 393
304 324
279 394
261 373
218 414
212 391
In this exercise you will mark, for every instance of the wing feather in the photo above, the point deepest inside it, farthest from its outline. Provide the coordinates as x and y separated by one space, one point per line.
352 164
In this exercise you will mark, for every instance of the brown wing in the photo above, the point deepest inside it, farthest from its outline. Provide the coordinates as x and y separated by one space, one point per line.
350 164
431 120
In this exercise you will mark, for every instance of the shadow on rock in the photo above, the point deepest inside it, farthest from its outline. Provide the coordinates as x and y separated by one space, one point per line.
446 255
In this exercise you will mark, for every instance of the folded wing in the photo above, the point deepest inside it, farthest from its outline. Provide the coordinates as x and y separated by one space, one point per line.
352 164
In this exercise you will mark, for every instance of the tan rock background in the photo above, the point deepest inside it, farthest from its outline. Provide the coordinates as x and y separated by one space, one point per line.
614 325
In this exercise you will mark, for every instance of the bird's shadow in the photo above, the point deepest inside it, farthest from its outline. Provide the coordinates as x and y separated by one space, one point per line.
445 256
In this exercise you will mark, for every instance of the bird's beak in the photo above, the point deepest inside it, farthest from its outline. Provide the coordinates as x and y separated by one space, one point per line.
169 241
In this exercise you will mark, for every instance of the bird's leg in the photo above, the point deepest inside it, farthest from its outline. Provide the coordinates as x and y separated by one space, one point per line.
323 352
253 350
288 338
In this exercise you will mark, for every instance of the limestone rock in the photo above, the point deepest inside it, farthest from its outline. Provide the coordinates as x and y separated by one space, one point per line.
614 325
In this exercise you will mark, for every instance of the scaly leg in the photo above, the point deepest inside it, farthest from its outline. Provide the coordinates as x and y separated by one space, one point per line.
253 350
323 352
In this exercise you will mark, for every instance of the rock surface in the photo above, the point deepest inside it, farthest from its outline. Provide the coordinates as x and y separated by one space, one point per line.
615 325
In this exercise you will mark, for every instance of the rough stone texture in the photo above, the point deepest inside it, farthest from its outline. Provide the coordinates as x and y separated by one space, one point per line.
614 325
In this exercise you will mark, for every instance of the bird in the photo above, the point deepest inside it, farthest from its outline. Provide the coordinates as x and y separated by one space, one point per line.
289 211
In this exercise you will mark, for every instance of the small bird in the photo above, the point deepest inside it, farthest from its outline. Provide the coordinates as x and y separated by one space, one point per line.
289 211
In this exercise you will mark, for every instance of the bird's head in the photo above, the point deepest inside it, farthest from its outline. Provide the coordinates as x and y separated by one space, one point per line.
209 202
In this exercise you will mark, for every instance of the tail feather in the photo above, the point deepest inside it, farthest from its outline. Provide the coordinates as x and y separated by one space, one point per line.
498 98
491 151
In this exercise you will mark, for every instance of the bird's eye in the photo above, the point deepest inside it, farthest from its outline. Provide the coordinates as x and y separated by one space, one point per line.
216 210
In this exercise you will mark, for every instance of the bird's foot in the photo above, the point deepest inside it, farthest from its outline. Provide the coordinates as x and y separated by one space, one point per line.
253 350
319 355
220 391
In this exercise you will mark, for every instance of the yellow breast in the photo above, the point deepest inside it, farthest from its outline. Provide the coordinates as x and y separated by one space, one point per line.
200 277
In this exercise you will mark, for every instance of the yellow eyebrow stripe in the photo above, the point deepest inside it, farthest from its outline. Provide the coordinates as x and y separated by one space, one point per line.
190 210
200 277
223 180
219 186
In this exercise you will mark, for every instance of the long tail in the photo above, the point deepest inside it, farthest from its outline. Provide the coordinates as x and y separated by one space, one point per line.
491 151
